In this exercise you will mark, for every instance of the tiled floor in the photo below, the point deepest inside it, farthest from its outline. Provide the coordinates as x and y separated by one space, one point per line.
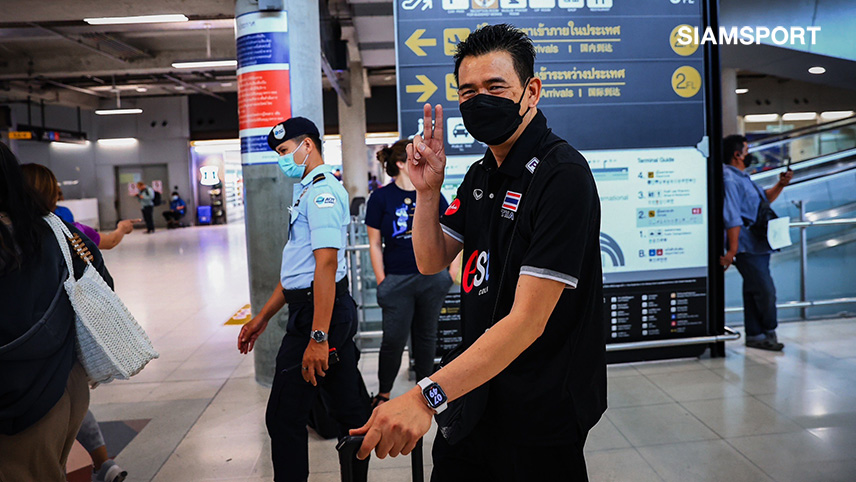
750 416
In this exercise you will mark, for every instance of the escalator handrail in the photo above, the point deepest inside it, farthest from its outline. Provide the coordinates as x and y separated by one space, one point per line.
774 139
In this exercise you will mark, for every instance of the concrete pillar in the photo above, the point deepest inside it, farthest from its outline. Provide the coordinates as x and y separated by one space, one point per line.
267 191
352 127
730 116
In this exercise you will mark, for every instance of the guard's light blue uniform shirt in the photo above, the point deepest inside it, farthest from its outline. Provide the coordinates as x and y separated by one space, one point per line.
740 208
319 219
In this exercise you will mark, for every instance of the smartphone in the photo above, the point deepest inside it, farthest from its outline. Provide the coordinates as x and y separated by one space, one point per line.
788 164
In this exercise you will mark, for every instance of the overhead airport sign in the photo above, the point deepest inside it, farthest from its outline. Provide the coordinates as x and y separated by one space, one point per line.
621 84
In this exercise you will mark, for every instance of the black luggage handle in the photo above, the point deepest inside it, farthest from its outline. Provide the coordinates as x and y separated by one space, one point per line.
349 446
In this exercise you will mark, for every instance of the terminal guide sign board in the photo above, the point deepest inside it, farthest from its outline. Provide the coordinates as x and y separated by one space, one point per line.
619 87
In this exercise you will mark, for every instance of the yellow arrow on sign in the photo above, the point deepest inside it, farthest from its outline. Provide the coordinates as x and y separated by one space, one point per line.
427 88
416 42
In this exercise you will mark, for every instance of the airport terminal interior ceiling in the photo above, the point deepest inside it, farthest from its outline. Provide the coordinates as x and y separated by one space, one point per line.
50 53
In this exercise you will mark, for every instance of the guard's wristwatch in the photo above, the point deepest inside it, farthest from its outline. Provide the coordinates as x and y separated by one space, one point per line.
319 336
434 395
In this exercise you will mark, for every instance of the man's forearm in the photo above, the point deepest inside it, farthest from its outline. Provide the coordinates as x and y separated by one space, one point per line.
733 235
488 356
774 192
323 294
534 301
273 304
429 245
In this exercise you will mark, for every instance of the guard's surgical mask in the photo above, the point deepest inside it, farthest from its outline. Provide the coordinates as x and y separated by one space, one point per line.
290 168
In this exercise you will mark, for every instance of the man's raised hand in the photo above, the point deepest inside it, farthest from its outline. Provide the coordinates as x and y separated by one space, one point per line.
426 155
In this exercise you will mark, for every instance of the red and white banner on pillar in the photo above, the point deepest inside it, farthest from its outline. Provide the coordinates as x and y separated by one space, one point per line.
264 92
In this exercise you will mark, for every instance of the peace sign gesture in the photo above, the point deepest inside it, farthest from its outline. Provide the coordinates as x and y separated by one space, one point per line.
426 155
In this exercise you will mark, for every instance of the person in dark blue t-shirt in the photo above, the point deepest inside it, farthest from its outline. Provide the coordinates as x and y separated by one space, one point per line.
410 301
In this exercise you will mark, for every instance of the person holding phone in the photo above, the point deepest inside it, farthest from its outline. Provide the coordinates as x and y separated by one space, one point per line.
749 252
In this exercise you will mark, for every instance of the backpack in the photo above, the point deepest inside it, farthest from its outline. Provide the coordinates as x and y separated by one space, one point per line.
156 199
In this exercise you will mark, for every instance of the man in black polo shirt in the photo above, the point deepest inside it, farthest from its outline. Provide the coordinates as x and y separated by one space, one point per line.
528 219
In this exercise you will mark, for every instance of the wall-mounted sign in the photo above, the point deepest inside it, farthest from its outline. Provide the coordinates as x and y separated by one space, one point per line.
20 135
264 88
208 175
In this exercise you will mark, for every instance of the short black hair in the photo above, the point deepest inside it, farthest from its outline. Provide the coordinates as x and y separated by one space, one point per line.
315 140
500 38
730 145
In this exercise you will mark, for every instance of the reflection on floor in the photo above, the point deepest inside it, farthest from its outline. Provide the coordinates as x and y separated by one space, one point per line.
752 416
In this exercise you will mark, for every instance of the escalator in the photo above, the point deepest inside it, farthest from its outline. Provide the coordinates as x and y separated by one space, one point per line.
823 158
812 152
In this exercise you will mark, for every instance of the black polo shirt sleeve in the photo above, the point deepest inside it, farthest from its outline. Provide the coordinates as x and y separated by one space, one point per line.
561 225
452 220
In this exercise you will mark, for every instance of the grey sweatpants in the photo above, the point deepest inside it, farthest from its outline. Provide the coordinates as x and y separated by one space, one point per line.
90 435
411 305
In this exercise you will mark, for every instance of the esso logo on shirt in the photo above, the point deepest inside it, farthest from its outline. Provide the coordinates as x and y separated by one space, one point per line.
476 271
453 208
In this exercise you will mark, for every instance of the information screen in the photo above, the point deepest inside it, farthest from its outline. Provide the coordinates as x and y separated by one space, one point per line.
619 88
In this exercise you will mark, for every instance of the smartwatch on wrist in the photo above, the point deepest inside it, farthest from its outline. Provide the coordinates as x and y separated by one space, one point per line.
319 336
434 395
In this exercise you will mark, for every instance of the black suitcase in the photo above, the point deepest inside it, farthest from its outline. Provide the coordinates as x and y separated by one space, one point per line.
349 446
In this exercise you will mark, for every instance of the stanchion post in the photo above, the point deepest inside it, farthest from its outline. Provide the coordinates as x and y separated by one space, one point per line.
803 258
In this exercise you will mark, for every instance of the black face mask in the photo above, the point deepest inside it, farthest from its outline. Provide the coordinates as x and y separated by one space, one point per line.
492 119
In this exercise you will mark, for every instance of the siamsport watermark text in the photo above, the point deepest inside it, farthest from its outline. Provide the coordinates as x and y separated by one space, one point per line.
748 35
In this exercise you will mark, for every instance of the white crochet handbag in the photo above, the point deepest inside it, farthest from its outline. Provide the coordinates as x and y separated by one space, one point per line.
110 343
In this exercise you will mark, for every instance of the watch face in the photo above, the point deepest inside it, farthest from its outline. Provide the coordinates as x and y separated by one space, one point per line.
318 336
434 395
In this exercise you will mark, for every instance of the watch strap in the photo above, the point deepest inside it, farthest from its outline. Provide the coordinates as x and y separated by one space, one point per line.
425 383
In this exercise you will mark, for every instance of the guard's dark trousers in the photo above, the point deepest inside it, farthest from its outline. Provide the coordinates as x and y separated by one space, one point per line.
291 397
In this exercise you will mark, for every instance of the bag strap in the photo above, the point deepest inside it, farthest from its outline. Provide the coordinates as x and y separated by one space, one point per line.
551 148
64 237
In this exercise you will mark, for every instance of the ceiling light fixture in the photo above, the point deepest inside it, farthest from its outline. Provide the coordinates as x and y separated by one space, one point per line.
816 70
740 91
761 117
225 84
118 141
799 116
216 142
118 111
205 64
836 114
136 19
142 89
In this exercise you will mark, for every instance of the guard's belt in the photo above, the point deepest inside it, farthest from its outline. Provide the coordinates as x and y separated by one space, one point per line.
305 295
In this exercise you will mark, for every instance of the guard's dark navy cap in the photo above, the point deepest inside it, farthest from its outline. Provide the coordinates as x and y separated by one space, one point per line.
289 129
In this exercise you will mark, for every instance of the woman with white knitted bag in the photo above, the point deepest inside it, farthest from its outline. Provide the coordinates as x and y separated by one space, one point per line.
43 389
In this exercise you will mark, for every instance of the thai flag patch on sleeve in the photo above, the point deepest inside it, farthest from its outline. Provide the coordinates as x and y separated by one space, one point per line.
512 200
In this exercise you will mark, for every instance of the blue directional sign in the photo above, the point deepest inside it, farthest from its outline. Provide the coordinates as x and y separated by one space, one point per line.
620 55
618 86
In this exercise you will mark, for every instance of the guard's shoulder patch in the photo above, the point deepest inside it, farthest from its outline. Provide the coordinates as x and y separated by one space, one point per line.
318 178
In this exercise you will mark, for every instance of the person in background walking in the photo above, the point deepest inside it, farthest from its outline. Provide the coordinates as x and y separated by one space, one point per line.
410 301
146 195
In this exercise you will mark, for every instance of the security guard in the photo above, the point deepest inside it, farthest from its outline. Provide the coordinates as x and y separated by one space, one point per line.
318 350
531 380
